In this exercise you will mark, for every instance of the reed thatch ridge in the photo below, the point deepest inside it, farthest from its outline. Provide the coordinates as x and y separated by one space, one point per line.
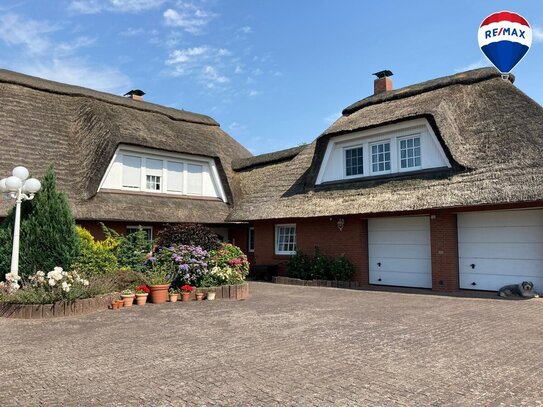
78 130
491 131
262 159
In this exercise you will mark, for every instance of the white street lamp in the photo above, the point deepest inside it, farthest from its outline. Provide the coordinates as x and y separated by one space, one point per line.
20 188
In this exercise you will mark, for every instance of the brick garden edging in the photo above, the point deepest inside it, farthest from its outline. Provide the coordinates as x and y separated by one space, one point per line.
315 283
228 292
58 309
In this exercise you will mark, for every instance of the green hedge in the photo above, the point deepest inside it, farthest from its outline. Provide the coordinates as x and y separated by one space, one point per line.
319 267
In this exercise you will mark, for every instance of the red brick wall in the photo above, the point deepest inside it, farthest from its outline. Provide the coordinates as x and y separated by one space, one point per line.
444 247
323 232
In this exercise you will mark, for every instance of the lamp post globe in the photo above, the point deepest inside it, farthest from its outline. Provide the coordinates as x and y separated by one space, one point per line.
21 173
3 187
32 186
13 183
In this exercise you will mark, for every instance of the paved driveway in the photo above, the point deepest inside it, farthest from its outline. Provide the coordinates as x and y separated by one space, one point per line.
287 345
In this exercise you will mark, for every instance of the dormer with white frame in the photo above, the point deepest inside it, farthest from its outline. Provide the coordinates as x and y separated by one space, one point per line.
398 148
145 170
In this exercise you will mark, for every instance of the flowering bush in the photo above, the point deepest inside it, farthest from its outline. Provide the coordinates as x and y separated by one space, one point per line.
187 288
189 263
142 289
229 265
41 288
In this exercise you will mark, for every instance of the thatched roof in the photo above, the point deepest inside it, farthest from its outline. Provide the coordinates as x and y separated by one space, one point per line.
264 159
491 131
78 129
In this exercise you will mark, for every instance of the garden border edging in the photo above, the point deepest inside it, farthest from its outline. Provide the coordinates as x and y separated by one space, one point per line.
315 283
58 309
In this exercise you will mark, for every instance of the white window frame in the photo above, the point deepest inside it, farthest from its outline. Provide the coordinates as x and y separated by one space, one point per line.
251 249
345 149
285 252
149 228
408 137
377 143
165 156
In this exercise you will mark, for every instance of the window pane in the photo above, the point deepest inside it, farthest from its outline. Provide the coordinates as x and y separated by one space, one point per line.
286 239
175 176
354 164
410 149
152 183
381 159
194 179
131 171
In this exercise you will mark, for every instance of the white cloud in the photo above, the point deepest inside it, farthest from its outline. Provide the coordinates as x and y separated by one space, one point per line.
246 30
120 6
331 118
537 34
132 32
188 17
253 92
67 48
211 76
182 56
30 34
77 72
474 65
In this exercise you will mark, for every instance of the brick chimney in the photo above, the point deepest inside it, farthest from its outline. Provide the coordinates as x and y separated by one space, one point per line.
383 82
135 94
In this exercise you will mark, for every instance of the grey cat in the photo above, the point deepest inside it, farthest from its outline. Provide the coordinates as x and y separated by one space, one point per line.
524 289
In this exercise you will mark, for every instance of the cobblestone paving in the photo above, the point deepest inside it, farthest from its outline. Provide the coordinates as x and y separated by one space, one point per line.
285 346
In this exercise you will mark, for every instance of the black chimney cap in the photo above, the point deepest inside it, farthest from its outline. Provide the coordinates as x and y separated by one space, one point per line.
135 92
383 74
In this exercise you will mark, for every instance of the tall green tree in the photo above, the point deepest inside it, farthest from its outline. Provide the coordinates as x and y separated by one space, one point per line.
48 233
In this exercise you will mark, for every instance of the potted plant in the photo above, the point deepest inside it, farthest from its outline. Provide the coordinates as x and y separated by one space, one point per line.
173 295
186 290
199 294
128 297
211 292
142 291
159 283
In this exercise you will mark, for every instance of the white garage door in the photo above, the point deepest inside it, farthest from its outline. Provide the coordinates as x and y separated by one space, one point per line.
499 248
399 251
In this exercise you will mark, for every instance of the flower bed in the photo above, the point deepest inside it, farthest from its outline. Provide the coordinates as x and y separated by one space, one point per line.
315 283
67 308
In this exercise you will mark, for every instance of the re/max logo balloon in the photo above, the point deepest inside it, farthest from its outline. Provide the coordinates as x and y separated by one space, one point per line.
505 38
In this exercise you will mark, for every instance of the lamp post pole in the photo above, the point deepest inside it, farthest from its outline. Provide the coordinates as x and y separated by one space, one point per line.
21 188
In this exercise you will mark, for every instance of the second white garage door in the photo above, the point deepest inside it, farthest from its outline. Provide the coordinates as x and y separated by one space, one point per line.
399 251
499 248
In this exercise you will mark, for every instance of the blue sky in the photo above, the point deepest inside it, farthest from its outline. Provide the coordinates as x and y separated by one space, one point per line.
274 73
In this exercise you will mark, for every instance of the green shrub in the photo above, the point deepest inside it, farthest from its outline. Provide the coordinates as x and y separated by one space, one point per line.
319 267
190 235
95 257
228 265
48 235
131 250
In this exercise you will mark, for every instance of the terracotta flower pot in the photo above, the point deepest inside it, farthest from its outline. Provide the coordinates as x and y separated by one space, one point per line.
173 297
211 296
159 293
128 300
114 305
199 296
185 296
120 303
141 299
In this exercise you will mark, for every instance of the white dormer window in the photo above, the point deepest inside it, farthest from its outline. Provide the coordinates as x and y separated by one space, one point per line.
410 152
354 161
151 171
386 150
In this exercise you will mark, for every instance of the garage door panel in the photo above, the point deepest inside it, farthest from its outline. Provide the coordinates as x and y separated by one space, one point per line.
506 247
402 247
399 237
490 282
531 251
502 267
424 280
508 234
400 224
403 251
401 265
500 218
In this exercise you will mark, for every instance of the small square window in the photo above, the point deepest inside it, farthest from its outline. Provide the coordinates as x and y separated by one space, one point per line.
153 183
251 240
354 161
